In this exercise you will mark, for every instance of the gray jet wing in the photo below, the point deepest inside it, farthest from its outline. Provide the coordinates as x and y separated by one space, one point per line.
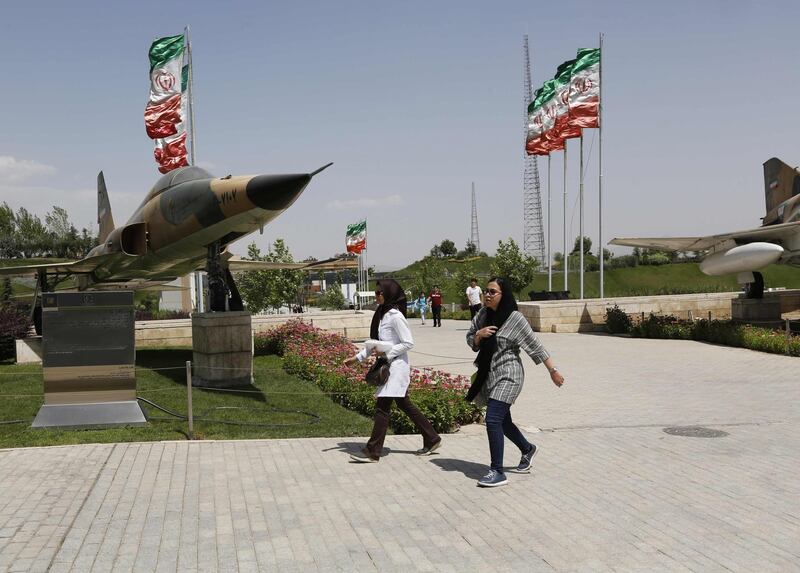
770 233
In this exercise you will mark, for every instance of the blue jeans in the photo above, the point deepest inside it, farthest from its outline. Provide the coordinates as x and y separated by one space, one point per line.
499 424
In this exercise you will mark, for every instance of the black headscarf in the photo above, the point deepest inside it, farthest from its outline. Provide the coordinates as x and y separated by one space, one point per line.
393 297
508 304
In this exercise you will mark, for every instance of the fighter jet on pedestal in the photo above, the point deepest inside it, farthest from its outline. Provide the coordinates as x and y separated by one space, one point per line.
745 252
184 224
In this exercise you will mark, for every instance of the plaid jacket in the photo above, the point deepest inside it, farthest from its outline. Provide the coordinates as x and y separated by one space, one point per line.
506 375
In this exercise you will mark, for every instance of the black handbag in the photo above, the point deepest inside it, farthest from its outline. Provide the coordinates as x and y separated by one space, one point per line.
378 373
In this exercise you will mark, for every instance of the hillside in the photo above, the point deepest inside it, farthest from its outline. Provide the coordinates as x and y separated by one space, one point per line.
630 281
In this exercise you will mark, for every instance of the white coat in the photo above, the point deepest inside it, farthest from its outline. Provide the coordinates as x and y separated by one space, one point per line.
394 328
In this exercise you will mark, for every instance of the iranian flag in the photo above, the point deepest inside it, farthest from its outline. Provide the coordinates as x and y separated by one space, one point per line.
538 123
584 93
165 112
564 128
549 125
356 238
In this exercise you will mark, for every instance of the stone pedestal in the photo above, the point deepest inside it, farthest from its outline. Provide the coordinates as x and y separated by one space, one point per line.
756 310
223 349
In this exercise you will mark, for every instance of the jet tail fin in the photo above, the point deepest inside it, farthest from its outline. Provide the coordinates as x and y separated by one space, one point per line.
105 220
781 182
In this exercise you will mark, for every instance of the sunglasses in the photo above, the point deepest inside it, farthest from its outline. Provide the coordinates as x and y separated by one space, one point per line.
491 292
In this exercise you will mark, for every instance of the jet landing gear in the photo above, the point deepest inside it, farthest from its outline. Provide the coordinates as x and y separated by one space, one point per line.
222 291
755 288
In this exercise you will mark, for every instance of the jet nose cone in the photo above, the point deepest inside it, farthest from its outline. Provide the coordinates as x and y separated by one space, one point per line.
276 192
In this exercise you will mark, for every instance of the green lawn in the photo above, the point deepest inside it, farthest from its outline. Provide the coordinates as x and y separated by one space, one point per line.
278 405
676 278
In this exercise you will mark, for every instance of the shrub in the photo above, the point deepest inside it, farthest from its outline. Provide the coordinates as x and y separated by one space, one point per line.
617 320
160 314
333 298
14 324
719 332
662 326
318 356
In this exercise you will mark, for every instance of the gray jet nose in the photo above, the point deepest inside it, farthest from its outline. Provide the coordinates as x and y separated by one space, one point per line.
276 192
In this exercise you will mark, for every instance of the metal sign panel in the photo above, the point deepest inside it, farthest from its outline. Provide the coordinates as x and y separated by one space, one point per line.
88 357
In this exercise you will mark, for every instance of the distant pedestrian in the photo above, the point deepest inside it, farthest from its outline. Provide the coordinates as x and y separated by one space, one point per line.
422 305
498 333
474 296
389 324
435 300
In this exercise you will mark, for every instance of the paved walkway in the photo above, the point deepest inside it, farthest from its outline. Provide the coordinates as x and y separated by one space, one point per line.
610 490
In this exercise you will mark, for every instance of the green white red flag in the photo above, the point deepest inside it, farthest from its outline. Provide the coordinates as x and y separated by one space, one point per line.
563 129
565 104
356 237
584 92
164 116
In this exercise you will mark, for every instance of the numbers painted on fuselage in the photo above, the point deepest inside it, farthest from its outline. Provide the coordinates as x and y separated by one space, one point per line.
227 197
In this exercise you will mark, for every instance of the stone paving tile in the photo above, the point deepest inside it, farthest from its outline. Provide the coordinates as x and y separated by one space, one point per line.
609 491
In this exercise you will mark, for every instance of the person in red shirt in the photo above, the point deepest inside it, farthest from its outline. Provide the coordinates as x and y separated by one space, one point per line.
435 300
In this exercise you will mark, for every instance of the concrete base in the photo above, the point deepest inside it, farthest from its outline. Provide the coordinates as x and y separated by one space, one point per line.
767 309
353 325
589 315
29 350
95 415
223 349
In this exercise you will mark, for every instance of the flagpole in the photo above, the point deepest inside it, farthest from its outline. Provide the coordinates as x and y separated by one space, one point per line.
580 210
600 159
566 252
190 89
549 258
198 275
366 268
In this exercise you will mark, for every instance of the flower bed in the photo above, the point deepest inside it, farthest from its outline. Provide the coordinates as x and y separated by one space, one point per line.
316 355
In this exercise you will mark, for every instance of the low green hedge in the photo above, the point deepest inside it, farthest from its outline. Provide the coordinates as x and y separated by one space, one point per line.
717 331
316 355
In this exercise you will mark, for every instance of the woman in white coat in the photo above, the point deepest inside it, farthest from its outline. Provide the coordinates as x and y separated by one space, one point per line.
389 324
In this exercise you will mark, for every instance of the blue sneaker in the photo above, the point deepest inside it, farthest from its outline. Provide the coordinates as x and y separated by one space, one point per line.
527 459
493 479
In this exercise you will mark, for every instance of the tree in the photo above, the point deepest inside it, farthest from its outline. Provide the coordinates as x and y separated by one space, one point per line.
57 222
460 280
470 250
510 262
31 234
448 248
333 298
587 245
270 289
436 252
429 272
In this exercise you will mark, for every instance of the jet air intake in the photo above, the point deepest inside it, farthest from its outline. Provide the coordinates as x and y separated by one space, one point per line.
744 258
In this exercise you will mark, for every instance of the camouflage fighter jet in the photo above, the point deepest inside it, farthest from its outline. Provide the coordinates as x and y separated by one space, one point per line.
777 240
185 223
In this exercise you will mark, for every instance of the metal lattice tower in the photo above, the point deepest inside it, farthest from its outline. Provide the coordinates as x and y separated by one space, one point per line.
533 231
474 237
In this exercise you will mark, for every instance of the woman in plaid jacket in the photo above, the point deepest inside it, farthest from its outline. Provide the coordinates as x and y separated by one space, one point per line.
498 333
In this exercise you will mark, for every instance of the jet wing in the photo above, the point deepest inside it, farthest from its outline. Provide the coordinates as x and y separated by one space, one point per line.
772 233
74 267
237 264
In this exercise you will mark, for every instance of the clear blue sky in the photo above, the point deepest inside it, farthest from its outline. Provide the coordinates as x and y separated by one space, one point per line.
412 101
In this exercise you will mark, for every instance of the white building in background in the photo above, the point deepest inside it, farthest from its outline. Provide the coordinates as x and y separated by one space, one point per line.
182 299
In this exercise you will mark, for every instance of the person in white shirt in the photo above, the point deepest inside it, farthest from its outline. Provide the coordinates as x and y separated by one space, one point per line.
389 324
474 296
